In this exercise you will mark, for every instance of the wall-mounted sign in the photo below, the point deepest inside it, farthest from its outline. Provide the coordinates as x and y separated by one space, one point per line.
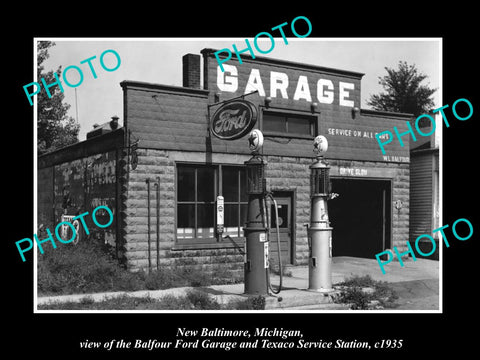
233 120
353 171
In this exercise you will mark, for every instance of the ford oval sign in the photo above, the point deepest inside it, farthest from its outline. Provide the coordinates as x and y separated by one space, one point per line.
233 120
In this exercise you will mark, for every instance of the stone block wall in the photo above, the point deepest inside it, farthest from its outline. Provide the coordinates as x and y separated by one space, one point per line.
283 174
292 174
159 167
155 166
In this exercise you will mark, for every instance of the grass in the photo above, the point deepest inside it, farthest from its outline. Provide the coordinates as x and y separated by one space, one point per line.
354 292
192 300
91 267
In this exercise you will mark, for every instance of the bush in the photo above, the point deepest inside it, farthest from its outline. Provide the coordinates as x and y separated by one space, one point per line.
163 279
359 281
354 296
354 293
91 267
192 300
85 267
251 303
201 300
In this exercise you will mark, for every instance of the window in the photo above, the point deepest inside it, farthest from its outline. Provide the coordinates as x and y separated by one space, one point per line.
197 190
195 201
292 125
235 198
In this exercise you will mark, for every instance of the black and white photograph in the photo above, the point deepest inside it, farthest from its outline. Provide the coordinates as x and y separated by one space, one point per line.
240 182
272 187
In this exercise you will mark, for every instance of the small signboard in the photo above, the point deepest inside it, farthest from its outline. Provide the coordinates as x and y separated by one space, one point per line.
233 120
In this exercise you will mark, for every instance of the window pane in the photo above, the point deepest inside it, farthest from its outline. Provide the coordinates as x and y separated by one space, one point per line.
273 122
299 125
230 183
205 184
186 215
231 219
243 184
205 220
185 221
205 216
231 215
282 217
185 183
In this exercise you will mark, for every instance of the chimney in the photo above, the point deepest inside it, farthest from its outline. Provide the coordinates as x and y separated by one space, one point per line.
114 122
105 128
191 71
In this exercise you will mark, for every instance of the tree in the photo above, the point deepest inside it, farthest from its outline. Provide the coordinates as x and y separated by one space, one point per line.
55 128
404 92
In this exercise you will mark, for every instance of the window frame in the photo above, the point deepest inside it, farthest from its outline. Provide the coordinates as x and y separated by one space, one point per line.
216 240
195 201
238 201
313 117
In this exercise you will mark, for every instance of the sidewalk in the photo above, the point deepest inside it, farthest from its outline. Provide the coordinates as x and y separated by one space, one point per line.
417 285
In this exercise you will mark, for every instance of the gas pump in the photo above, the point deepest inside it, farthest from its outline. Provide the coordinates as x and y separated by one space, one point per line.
319 231
256 266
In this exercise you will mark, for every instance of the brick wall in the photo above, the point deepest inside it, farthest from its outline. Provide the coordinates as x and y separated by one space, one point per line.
191 71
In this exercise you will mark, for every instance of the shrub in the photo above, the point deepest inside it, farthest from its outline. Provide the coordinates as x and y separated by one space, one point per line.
170 302
359 281
358 299
353 293
85 267
163 279
251 303
91 267
201 300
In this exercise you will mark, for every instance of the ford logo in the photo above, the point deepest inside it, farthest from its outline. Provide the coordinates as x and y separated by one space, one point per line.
233 120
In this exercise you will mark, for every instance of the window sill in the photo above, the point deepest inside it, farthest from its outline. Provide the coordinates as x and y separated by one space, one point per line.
287 135
227 243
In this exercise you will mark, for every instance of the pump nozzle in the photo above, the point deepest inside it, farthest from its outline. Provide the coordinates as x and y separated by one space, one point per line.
269 195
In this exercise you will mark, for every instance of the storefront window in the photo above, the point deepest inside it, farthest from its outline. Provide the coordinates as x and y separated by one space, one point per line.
290 125
235 197
197 190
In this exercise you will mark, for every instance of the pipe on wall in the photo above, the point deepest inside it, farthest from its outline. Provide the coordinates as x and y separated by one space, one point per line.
157 186
148 225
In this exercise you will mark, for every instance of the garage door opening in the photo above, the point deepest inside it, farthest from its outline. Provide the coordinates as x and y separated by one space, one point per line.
360 217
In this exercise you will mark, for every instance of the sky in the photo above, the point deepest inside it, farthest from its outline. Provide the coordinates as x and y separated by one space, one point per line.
159 61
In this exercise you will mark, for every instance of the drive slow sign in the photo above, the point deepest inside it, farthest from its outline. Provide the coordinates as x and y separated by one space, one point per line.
233 120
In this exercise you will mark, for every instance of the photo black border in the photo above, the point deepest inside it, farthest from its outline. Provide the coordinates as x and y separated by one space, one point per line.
58 334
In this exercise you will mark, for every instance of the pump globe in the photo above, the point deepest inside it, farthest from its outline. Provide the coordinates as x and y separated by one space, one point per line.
320 145
255 140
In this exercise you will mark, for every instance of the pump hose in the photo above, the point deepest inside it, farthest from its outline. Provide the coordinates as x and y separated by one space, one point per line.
278 247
